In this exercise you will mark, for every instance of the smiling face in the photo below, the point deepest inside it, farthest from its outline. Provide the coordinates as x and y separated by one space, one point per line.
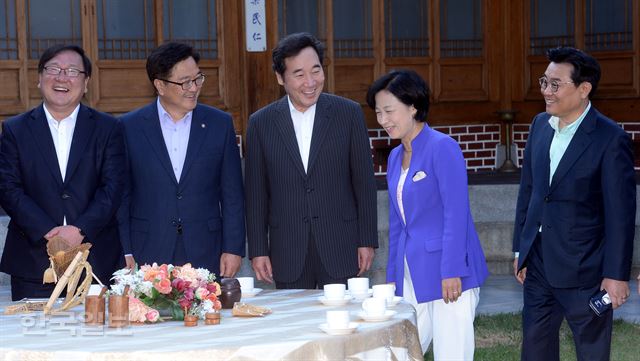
571 99
397 118
303 78
62 93
174 100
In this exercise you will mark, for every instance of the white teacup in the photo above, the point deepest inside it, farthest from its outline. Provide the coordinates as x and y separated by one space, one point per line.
246 284
338 319
334 291
358 285
376 306
386 291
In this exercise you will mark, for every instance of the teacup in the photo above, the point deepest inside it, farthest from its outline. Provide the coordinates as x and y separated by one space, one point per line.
338 319
246 284
334 291
358 286
386 291
376 306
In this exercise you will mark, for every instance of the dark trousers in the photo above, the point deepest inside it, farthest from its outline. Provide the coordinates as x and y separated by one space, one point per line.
314 275
179 253
545 307
30 288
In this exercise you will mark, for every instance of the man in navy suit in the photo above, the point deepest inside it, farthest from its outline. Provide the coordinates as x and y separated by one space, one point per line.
311 195
184 198
61 174
575 216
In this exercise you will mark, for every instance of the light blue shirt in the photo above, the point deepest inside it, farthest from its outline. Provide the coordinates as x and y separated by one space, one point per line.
561 139
176 138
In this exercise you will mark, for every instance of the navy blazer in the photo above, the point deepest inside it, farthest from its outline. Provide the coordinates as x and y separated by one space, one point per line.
587 213
35 197
335 199
208 199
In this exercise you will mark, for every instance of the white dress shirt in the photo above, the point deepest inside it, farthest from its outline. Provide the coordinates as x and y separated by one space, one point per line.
176 138
62 135
303 126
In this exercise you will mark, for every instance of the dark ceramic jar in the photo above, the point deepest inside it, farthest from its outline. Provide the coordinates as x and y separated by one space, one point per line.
231 292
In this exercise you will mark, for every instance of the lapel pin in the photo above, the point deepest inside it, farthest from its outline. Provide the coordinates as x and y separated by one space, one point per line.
202 125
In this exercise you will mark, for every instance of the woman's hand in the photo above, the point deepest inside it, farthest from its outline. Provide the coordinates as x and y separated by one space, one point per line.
451 289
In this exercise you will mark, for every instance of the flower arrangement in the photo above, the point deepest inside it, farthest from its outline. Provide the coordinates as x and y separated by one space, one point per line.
183 290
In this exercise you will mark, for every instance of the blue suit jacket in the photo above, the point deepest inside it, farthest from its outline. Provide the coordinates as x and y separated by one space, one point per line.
587 213
439 239
208 199
35 197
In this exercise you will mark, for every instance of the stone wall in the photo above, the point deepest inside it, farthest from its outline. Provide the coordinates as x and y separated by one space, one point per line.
493 209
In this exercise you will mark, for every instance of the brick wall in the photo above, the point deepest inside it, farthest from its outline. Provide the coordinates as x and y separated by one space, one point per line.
478 144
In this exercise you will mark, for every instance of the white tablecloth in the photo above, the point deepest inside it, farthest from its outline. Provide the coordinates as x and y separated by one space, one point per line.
290 333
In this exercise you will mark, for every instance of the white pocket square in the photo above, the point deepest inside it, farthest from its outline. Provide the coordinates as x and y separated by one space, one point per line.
420 175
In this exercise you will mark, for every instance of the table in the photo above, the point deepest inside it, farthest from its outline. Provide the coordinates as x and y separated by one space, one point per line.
290 333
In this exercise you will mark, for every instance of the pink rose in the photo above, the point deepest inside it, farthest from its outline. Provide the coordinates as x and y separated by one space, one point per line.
201 293
163 286
152 316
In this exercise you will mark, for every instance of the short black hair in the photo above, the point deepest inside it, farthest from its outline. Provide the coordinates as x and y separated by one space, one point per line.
163 58
292 45
407 86
585 67
54 50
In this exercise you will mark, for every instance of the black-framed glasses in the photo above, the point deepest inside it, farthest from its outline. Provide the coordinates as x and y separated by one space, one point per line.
56 70
186 85
544 83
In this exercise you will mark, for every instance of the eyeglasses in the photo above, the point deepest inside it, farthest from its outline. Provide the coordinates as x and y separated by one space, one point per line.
544 83
70 72
186 85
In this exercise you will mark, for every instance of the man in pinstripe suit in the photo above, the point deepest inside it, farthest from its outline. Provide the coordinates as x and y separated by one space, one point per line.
310 189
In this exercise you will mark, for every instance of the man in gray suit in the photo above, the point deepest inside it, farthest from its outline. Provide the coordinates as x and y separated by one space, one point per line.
310 188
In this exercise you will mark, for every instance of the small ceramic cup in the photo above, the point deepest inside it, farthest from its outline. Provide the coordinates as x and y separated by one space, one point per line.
338 319
334 291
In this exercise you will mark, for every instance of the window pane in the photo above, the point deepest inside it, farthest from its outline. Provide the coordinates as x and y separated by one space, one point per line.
352 32
552 25
52 22
407 28
8 37
125 29
460 28
608 25
299 16
192 22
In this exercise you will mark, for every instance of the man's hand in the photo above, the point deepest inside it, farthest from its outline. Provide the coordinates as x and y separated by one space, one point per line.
618 291
365 259
229 264
451 289
69 233
262 267
520 275
130 262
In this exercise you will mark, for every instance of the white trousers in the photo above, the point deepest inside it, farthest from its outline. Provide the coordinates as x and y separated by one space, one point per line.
449 326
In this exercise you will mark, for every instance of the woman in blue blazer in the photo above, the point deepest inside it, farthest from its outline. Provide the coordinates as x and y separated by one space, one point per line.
435 257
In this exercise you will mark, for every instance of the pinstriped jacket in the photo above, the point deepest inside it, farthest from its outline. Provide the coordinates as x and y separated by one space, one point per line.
334 201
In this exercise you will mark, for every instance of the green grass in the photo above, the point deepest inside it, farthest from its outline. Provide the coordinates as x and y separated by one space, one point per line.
499 337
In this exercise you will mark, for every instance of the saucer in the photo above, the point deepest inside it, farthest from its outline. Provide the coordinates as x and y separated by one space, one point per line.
396 300
387 315
338 302
361 296
339 331
251 293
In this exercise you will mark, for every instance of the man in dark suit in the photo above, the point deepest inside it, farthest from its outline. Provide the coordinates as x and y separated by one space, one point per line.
311 196
61 174
575 217
184 200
